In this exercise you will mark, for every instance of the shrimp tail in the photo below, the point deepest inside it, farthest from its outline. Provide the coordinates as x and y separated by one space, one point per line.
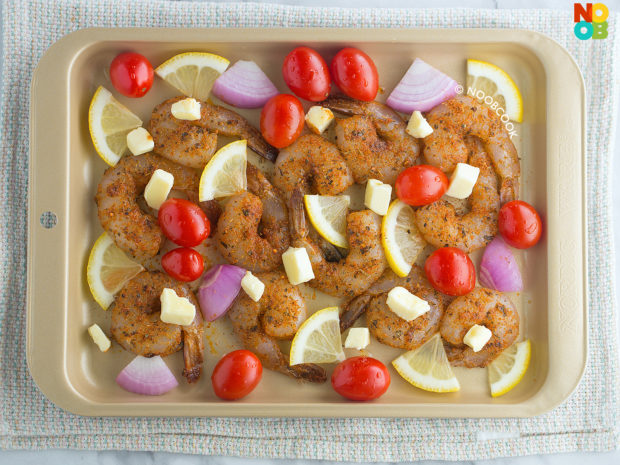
297 217
341 104
354 309
307 372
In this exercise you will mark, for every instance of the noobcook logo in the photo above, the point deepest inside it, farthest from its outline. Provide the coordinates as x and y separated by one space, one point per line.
591 21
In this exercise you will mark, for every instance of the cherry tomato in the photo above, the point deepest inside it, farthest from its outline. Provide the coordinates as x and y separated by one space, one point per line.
355 73
450 271
421 184
236 375
183 222
131 74
282 120
306 74
361 378
519 224
184 264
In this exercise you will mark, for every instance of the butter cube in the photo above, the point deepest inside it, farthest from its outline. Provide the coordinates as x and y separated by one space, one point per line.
176 310
462 181
477 337
378 196
418 126
319 118
358 338
187 109
297 265
139 141
252 286
405 304
157 190
99 338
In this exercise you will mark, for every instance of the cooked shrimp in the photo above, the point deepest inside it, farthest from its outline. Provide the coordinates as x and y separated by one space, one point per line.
313 165
373 141
463 116
135 231
482 307
362 266
136 325
253 230
277 315
192 143
440 224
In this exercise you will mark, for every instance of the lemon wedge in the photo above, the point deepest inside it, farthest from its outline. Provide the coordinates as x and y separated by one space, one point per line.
427 367
318 339
193 73
108 270
225 174
402 242
507 370
109 121
496 83
328 215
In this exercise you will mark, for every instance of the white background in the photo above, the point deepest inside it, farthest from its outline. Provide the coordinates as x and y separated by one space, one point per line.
65 457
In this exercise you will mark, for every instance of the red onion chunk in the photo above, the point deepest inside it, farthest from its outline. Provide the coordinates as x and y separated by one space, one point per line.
147 376
421 88
499 269
244 85
218 290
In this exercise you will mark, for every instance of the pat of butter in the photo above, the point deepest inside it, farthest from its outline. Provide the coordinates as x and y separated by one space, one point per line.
139 141
319 118
462 181
99 338
358 338
405 304
187 109
418 126
378 196
157 190
477 337
297 265
176 310
252 286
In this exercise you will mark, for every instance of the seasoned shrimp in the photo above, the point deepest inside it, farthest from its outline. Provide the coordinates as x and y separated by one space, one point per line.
136 325
313 165
362 266
135 231
440 224
373 141
192 143
482 307
463 116
253 230
277 315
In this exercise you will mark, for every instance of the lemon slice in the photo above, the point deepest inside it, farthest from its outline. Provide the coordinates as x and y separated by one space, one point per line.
108 270
402 242
497 84
225 175
318 339
328 215
507 370
193 73
427 367
109 121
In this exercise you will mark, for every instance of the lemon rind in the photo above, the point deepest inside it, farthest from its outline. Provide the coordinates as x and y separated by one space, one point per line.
330 234
524 365
307 328
211 169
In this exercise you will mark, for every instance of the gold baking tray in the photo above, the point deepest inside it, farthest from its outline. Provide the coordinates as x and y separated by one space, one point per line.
65 170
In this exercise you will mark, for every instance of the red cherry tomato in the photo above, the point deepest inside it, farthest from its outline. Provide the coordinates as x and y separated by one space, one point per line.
355 73
236 375
282 120
306 74
450 271
361 378
131 74
421 184
519 224
183 222
184 264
